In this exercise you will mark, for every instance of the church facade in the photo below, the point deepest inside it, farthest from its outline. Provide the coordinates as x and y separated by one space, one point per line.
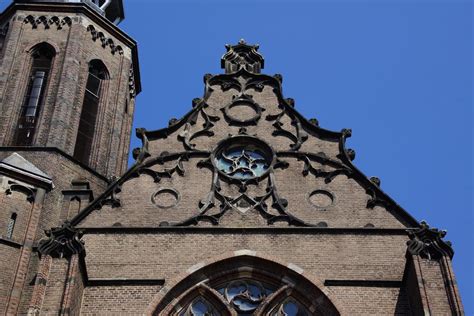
241 207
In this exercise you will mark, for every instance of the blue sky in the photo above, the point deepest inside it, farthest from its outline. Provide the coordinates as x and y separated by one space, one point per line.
398 72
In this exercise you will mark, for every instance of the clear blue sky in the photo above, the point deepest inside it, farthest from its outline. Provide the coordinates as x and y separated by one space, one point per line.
399 73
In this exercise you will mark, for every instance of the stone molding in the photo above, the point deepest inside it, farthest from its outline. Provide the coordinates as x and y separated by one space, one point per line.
48 21
428 242
62 242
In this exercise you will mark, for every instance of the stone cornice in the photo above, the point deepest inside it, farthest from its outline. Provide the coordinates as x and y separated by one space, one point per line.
55 150
242 230
26 176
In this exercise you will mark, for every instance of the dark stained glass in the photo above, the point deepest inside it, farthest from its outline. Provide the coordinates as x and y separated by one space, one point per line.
242 162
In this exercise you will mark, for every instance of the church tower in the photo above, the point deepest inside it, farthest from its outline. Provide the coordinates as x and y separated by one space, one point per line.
69 78
68 81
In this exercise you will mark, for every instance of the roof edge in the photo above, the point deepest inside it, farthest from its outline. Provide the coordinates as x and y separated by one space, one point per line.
55 150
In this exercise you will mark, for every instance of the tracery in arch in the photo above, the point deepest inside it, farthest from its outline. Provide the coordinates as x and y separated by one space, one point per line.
249 295
245 286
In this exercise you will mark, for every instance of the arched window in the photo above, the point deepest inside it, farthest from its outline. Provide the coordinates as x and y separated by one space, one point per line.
244 285
11 225
94 90
42 58
244 296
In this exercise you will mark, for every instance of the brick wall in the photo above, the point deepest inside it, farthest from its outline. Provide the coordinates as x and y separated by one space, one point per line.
373 300
13 201
8 264
167 255
117 300
59 118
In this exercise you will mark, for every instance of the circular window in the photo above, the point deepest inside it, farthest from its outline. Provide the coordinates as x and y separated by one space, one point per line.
165 198
321 198
243 158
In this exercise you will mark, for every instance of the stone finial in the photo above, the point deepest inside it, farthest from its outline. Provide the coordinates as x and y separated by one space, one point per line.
375 180
428 242
62 242
241 56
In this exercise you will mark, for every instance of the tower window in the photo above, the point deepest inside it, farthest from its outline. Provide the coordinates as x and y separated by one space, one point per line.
35 94
92 98
3 34
11 225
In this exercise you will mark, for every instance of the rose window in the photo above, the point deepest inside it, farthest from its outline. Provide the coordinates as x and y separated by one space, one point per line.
243 158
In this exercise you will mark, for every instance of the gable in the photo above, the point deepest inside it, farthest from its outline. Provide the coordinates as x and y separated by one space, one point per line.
19 167
244 157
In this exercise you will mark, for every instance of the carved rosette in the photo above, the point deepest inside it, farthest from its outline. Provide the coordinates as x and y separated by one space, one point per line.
428 242
62 242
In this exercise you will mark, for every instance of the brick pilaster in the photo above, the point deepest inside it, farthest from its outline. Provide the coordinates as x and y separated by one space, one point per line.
25 255
40 285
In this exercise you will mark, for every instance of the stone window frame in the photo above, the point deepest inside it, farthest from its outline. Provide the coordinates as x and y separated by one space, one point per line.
218 303
288 280
25 83
102 102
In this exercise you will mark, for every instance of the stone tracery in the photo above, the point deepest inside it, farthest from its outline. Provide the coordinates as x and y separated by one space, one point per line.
247 161
246 290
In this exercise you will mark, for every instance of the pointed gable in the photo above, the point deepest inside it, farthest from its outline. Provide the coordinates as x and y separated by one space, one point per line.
244 150
16 164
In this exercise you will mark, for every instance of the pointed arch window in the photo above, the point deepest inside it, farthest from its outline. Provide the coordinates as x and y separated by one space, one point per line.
242 297
33 102
245 285
96 79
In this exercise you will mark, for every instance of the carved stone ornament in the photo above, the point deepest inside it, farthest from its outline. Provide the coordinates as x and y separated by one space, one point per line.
131 84
320 199
428 242
62 242
243 159
241 56
248 112
166 198
47 21
30 193
104 40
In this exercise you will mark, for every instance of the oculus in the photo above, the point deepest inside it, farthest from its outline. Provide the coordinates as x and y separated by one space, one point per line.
165 198
321 199
243 111
243 158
